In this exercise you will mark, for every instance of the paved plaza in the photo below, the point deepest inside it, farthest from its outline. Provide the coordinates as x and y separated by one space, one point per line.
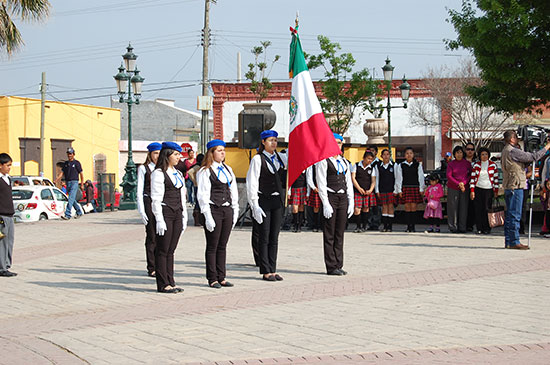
82 296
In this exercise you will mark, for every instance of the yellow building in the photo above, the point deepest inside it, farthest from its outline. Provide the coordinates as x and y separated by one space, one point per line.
92 131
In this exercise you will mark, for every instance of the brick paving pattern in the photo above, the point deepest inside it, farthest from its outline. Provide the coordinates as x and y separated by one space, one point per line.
82 296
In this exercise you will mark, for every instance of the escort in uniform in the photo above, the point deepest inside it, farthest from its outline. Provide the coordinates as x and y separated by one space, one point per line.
409 181
168 196
363 177
385 189
218 199
144 203
336 194
265 191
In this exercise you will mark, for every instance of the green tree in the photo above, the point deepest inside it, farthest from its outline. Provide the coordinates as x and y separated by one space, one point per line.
344 90
510 40
26 10
257 72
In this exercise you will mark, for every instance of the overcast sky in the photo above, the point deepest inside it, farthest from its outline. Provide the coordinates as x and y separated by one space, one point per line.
80 45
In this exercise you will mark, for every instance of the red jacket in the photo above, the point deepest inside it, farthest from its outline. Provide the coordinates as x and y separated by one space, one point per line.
493 175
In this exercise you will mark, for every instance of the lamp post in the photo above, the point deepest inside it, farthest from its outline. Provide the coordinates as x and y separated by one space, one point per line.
405 88
129 72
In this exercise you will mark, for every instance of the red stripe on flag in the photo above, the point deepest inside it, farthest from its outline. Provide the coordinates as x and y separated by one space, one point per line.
310 142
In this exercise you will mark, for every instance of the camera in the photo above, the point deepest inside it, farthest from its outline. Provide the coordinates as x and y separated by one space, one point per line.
534 137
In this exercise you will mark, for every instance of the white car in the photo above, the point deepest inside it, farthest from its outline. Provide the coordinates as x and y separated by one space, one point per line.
30 181
36 203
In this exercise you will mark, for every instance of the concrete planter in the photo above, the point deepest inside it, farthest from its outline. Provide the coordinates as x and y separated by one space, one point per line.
375 129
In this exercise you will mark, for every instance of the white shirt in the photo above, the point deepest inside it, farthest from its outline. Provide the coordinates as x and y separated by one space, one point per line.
353 167
309 180
382 165
483 181
253 175
5 177
157 190
322 179
399 177
141 185
204 187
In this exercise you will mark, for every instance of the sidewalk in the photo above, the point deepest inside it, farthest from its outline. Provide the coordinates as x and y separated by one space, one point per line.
82 296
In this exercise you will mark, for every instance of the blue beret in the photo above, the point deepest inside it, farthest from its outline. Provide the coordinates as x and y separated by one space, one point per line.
338 136
269 133
171 145
215 143
155 146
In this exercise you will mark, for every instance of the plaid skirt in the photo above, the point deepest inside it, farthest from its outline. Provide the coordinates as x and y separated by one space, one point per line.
297 196
362 201
314 201
387 199
411 195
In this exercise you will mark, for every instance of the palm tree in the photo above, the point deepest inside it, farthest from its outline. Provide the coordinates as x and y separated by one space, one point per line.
25 10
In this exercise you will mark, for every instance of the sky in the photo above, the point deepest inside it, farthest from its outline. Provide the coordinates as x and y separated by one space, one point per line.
80 45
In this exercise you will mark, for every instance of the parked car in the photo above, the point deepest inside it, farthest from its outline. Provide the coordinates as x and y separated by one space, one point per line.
30 181
34 203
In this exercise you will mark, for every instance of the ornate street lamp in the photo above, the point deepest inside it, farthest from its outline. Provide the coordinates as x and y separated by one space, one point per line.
129 81
405 88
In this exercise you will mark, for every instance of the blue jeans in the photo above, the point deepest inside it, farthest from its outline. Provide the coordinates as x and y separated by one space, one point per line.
514 205
72 187
190 196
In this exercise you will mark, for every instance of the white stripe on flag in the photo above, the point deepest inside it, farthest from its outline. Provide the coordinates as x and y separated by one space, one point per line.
306 99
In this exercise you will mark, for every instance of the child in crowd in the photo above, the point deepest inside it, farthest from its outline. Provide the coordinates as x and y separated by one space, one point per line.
433 212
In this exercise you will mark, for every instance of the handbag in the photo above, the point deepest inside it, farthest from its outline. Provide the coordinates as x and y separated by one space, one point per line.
432 204
496 215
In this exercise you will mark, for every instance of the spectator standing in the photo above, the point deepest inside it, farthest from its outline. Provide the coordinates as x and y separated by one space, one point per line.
472 158
71 171
6 217
189 162
483 185
363 177
514 161
458 177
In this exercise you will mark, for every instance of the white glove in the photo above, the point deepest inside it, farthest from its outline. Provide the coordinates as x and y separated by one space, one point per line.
327 211
144 218
235 217
350 210
161 228
258 214
209 222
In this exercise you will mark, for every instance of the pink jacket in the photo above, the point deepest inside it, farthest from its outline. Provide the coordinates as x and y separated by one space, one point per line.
434 192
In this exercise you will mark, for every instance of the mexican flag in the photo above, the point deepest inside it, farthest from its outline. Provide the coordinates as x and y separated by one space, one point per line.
311 139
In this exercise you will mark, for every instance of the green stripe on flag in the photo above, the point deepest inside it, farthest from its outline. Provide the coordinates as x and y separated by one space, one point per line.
297 62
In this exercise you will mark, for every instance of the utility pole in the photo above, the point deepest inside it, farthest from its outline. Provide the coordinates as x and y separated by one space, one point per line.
42 118
205 84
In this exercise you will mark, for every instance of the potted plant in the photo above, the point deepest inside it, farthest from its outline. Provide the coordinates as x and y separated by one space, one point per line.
376 127
344 90
258 75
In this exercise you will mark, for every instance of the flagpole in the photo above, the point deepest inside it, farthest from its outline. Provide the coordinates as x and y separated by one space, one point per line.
288 151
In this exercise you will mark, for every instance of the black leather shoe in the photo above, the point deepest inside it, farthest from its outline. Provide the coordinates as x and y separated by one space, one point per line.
269 278
7 274
335 272
226 283
170 291
215 285
344 272
178 289
278 277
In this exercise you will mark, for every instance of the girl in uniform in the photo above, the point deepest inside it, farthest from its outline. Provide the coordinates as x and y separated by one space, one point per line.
410 185
336 194
144 203
297 201
385 189
264 187
218 199
363 176
168 195
313 199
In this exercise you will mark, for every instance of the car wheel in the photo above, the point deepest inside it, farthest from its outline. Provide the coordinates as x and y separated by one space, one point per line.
43 217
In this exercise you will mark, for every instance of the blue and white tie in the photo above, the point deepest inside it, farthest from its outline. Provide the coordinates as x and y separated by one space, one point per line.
221 170
339 165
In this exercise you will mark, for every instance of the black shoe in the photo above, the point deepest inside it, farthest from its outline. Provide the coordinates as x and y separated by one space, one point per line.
344 272
278 277
335 272
226 283
64 217
215 285
357 230
178 289
7 273
169 291
269 278
77 216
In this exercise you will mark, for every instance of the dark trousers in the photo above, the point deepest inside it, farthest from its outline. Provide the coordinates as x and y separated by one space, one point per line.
255 241
333 232
216 243
483 202
457 209
150 235
471 219
375 217
166 246
269 233
524 210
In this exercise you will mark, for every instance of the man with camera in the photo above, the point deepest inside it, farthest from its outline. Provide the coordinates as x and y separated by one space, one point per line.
514 161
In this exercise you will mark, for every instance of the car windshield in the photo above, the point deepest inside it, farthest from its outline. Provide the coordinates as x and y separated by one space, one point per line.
19 181
21 194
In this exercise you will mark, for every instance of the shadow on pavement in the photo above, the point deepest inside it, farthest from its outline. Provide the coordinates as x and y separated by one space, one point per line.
439 246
